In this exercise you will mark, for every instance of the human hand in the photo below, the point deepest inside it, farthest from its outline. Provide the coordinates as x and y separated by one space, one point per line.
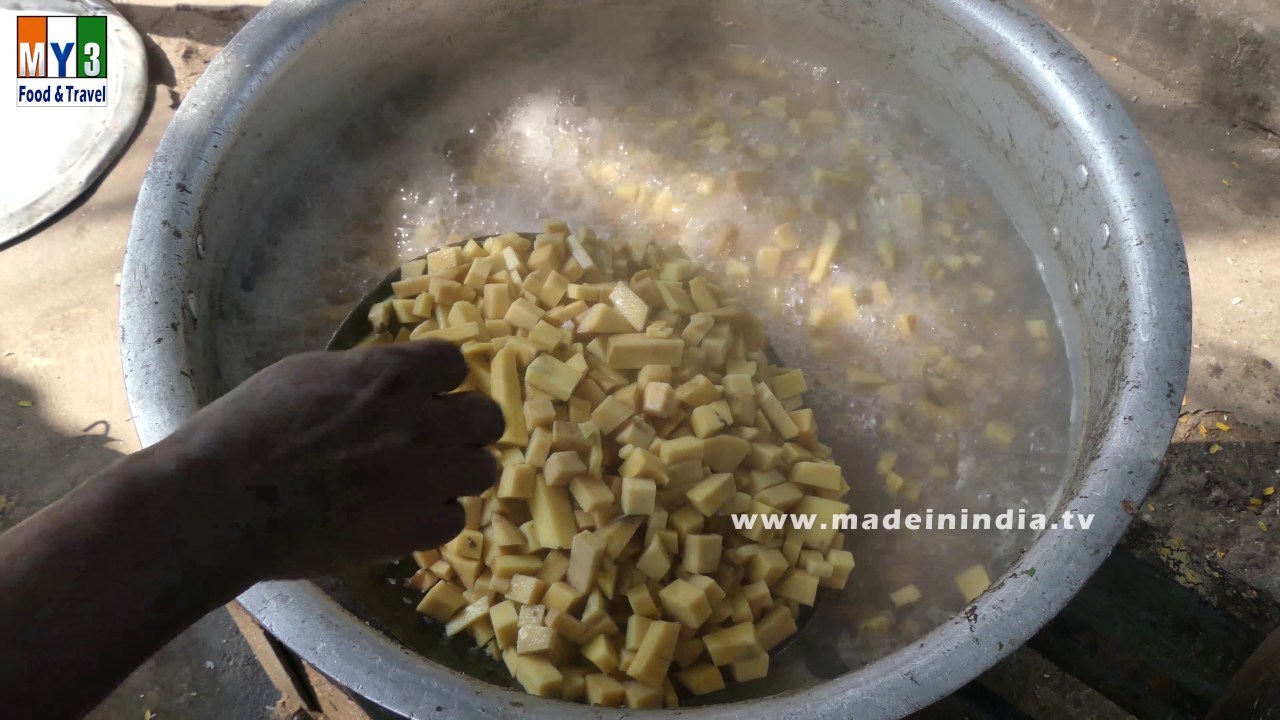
326 460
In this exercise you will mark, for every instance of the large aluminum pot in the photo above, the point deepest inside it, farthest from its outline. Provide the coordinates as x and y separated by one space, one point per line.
1009 93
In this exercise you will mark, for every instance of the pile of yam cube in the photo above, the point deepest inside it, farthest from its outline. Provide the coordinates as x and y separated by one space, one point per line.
641 413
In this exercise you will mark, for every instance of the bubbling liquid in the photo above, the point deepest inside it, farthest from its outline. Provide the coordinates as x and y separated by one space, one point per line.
942 386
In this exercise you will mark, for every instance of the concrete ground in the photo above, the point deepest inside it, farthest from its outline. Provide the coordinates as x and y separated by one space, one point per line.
58 341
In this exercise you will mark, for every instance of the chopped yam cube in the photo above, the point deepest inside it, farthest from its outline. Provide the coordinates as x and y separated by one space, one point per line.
442 601
602 652
685 603
638 495
634 351
603 690
538 676
751 668
972 582
553 377
732 644
701 679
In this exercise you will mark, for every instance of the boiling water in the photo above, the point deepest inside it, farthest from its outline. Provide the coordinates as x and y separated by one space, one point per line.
951 372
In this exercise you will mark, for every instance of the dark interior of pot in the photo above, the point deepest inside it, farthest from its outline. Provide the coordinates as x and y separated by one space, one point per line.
950 392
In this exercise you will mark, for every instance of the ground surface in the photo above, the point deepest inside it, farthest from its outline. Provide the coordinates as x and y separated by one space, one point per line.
58 349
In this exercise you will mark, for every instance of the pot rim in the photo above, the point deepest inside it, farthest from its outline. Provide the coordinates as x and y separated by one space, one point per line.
163 245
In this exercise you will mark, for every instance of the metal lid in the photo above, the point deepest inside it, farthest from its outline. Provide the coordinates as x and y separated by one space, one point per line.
86 53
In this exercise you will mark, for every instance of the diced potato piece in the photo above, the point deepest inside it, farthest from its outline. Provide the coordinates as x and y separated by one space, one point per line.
603 653
703 294
422 580
509 565
609 414
708 420
505 619
821 475
841 565
563 467
425 558
702 553
638 495
654 655
532 638
709 495
777 625
539 412
617 533
724 453
585 559
767 566
442 601
531 615
637 626
675 298
827 247
552 515
456 334
689 651
972 582
701 679
603 690
591 493
523 314
642 464
732 644
553 377
574 686
497 301
905 595
788 384
634 351
402 308
782 496
639 696
642 602
680 450
659 400
517 481
655 561
758 597
814 564
697 328
751 668
628 304
467 616
686 520
538 676
546 336
740 393
568 436
413 268
800 586
685 603
567 626
506 391
774 412
825 524
880 293
526 590
539 448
